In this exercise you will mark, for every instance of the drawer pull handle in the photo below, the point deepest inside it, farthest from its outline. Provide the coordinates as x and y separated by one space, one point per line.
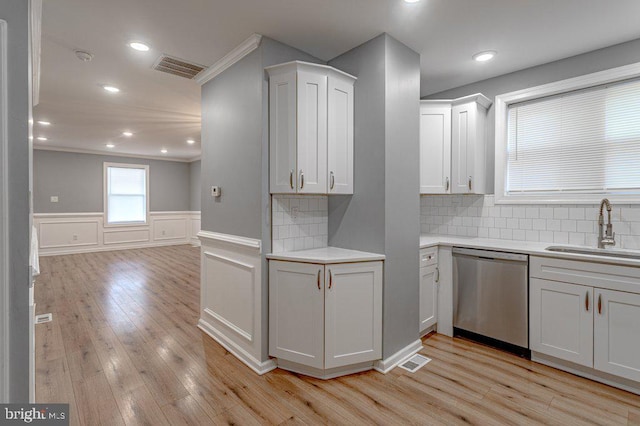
330 279
319 288
437 275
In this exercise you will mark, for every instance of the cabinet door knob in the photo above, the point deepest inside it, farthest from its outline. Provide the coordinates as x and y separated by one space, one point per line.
332 180
330 279
600 304
319 271
469 183
446 184
291 179
301 179
586 301
437 275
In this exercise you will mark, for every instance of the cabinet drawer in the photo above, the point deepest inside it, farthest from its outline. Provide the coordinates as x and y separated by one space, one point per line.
595 274
428 256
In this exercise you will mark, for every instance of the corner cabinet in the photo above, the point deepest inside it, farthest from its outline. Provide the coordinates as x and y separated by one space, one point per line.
589 315
454 158
325 320
310 129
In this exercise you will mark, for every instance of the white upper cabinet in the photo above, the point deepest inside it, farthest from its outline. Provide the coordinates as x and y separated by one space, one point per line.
435 147
453 149
311 129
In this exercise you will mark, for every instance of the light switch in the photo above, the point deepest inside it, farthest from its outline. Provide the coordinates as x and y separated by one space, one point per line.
216 191
54 198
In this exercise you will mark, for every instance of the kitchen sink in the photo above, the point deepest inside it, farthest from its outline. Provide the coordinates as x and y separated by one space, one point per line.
595 252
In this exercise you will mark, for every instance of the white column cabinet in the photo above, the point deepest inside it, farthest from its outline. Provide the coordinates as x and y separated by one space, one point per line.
617 333
325 316
562 320
311 129
454 158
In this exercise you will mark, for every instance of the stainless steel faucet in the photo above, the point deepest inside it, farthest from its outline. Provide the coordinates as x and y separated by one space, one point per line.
608 238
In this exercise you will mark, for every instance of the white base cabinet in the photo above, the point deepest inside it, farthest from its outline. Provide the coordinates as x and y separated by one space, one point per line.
587 314
325 317
429 278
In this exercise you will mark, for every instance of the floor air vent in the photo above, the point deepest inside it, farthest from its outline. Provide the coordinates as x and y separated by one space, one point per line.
414 363
41 319
179 67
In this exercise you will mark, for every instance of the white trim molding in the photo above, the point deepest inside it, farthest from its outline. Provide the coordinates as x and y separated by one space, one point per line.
105 191
4 221
35 33
385 365
502 103
68 233
251 243
111 154
231 297
242 50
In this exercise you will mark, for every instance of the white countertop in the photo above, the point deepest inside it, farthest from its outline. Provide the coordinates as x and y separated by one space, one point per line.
525 247
326 255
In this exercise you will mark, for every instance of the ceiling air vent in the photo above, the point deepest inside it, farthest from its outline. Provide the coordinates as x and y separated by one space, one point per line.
179 67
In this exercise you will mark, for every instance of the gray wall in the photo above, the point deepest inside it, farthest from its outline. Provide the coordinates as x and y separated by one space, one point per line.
383 213
235 151
16 13
194 185
597 60
77 180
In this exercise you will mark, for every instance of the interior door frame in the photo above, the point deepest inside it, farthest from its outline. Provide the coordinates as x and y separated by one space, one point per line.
4 221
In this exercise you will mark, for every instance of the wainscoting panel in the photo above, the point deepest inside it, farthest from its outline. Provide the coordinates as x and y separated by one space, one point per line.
66 233
231 296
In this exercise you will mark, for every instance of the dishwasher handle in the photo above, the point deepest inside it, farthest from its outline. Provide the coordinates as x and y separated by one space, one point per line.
490 254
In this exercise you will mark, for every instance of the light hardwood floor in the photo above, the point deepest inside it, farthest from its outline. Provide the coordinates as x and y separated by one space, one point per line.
123 348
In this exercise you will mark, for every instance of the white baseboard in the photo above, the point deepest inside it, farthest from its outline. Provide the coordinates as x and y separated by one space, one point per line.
330 373
79 250
385 365
260 367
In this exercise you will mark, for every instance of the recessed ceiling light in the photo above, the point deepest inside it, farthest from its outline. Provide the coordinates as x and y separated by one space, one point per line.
44 123
190 141
411 1
484 56
42 138
111 89
110 145
136 45
127 134
164 151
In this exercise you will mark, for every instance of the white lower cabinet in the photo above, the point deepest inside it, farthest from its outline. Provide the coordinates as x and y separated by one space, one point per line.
429 277
575 320
562 320
617 333
325 316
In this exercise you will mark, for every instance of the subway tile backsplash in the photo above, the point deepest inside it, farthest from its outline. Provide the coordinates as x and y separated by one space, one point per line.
299 222
478 216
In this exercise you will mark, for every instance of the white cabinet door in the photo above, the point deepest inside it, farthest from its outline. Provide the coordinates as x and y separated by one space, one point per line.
353 313
428 296
296 312
282 133
617 333
340 137
312 133
435 149
561 320
463 139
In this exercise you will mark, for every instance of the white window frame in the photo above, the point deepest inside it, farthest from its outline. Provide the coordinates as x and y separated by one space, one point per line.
105 192
502 103
4 221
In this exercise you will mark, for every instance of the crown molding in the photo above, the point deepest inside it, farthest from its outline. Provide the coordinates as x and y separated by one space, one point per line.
109 154
239 52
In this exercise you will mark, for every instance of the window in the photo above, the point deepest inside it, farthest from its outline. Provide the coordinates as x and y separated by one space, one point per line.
574 141
126 193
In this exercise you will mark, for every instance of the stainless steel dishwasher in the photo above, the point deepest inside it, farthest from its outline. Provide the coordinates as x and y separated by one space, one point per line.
491 297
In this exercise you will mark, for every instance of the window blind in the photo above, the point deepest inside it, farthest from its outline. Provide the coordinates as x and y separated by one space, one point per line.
581 142
126 195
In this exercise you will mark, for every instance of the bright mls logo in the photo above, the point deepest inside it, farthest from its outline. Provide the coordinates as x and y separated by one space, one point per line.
38 414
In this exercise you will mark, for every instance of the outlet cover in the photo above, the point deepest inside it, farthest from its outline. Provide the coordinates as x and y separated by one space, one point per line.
54 198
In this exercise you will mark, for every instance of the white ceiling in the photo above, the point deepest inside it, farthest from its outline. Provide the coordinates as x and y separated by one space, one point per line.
164 110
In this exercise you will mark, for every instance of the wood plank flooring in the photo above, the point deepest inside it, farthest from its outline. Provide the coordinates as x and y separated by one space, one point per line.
123 348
